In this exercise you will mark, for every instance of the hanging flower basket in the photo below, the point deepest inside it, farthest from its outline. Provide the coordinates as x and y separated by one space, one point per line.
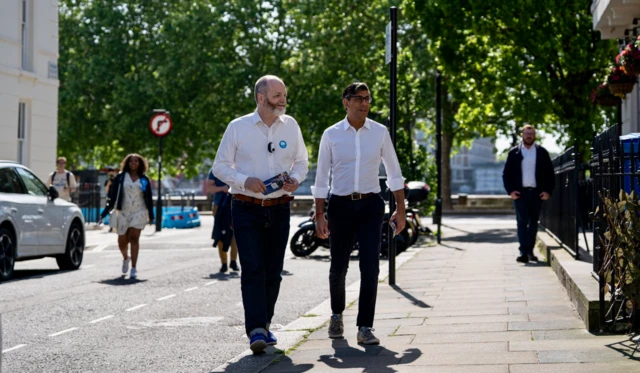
621 88
620 83
629 58
603 96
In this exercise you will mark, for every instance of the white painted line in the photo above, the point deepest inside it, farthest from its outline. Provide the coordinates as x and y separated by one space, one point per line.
100 319
167 297
101 247
136 307
62 332
89 266
211 283
191 289
12 348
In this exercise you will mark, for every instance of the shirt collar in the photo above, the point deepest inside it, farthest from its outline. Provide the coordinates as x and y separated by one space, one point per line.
524 149
256 118
346 125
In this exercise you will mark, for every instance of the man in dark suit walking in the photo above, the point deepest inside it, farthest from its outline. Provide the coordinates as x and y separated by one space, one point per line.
529 179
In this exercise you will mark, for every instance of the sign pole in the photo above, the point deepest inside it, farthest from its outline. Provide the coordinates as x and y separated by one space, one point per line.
393 48
159 199
160 126
438 212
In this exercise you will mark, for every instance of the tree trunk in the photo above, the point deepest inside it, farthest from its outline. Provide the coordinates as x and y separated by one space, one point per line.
447 141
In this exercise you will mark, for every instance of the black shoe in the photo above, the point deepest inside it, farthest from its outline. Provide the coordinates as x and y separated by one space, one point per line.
224 268
234 266
522 259
533 258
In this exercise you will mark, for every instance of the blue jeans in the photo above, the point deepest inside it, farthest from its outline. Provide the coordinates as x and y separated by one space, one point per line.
527 214
361 220
261 235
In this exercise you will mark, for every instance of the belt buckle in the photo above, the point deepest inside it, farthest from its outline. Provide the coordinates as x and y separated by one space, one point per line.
356 194
262 203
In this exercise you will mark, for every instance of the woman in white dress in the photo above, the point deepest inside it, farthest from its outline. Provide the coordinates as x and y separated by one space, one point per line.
130 196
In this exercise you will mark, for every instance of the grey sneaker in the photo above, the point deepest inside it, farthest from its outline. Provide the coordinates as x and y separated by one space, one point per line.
336 327
366 337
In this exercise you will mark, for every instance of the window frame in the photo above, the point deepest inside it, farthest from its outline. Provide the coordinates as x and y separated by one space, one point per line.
38 183
19 179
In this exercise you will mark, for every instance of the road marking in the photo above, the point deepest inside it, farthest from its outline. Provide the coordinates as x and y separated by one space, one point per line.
136 307
89 266
211 283
167 297
101 247
100 319
12 348
62 332
191 289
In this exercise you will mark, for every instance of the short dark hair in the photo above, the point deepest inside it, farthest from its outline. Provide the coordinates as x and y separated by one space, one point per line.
353 88
527 126
142 168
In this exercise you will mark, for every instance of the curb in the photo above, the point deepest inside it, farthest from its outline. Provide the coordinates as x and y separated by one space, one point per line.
298 330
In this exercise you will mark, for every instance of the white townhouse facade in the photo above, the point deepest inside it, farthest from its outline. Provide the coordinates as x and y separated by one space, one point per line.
29 83
612 18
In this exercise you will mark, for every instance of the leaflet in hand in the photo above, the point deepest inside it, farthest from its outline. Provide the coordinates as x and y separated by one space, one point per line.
276 183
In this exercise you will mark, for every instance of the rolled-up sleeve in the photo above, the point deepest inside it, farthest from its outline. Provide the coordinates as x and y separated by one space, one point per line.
395 181
301 160
321 187
225 159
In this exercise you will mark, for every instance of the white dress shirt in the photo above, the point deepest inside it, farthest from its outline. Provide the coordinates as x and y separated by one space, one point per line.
528 166
243 153
354 159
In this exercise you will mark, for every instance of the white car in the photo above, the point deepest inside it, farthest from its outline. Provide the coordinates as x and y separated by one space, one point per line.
35 223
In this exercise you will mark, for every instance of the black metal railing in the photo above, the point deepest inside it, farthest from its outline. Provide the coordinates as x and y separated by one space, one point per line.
87 197
561 214
615 167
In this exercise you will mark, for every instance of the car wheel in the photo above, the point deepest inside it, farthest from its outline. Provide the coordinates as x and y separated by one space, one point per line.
7 254
74 251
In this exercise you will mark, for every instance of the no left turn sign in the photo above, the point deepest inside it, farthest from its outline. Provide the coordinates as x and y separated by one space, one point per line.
160 125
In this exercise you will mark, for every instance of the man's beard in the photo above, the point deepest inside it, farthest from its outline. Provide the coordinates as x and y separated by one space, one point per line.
274 108
528 142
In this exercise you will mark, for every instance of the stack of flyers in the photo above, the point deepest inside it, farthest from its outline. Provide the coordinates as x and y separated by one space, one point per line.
276 183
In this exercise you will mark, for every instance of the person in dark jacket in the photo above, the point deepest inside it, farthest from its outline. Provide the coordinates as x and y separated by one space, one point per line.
529 179
130 195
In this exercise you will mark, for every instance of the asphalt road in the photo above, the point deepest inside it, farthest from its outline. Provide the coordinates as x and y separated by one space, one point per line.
181 315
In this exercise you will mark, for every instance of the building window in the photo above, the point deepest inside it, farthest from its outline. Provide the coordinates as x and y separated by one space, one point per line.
26 24
22 133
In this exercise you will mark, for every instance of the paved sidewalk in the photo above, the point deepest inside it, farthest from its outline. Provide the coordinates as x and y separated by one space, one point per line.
467 306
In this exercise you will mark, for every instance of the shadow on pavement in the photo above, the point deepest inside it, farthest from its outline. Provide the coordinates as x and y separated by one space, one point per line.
224 276
414 300
346 357
628 348
30 274
122 281
492 236
451 247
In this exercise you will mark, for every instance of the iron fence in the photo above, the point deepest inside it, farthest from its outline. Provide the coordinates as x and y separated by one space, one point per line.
87 197
561 214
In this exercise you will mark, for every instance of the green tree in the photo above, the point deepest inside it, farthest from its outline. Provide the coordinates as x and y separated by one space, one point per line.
198 59
510 63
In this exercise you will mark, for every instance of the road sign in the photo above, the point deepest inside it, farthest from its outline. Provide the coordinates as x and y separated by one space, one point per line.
160 125
387 45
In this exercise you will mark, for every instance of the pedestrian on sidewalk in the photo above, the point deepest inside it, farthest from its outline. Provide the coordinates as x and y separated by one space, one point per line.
130 196
529 179
351 150
64 181
257 147
222 234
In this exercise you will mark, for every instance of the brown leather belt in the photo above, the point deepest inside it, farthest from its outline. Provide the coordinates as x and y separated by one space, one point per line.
355 196
263 202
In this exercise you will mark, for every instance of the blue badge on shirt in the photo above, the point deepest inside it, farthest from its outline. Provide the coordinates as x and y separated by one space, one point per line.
143 183
283 144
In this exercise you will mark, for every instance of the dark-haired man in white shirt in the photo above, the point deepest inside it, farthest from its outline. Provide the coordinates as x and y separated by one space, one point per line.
352 150
257 147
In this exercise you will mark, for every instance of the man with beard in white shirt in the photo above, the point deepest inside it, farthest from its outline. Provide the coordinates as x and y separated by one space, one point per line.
352 150
254 148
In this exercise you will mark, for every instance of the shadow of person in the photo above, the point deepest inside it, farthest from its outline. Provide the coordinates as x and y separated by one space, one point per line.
121 281
285 364
372 358
223 276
